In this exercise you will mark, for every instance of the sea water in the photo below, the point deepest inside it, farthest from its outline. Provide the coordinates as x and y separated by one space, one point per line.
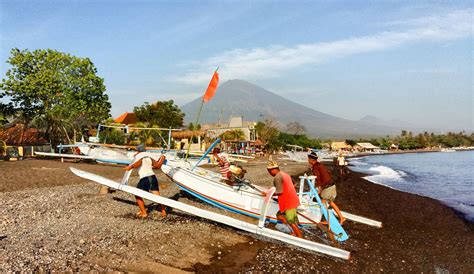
445 176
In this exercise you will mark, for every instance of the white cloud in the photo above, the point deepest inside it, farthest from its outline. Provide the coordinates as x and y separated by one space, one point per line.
272 61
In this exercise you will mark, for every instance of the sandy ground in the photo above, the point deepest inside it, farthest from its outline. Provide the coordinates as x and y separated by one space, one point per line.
53 220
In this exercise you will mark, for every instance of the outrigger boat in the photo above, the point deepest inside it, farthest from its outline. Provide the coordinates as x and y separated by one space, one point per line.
245 199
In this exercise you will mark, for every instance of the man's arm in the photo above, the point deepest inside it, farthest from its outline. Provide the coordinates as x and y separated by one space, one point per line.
159 163
136 164
278 183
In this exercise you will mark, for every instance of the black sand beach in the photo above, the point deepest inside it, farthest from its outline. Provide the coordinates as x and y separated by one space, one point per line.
52 220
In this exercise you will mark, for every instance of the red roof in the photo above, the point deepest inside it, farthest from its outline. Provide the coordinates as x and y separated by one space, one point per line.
127 118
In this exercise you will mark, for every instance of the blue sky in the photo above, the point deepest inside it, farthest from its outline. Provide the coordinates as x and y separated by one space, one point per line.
396 60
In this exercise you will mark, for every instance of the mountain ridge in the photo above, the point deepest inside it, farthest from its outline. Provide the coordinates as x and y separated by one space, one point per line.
241 98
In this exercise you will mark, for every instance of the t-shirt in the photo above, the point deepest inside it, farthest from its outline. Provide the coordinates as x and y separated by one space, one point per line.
278 183
146 168
341 161
322 175
224 168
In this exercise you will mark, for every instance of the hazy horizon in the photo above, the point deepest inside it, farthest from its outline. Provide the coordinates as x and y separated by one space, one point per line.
395 61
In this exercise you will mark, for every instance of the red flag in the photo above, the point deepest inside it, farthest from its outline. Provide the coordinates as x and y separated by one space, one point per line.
211 89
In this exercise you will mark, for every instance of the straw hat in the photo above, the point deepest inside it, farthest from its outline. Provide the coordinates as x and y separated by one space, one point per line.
272 164
235 169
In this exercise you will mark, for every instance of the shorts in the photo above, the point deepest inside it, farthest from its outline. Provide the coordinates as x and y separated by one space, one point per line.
329 193
290 215
149 183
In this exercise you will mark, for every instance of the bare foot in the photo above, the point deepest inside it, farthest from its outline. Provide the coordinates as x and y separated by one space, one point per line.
342 220
142 214
163 213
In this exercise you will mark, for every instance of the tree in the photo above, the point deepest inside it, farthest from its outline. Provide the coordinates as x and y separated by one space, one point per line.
295 128
268 132
233 135
164 114
351 142
61 90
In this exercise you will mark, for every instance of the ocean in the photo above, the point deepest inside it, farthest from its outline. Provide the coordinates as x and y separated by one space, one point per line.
445 176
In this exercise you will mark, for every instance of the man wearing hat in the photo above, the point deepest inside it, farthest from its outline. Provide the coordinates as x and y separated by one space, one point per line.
288 200
148 181
326 188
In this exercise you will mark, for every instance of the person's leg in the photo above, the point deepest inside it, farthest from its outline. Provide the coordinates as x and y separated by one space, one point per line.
338 212
163 208
142 184
281 218
292 219
155 189
141 204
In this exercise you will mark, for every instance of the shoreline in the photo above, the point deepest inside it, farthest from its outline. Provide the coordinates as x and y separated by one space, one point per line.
365 176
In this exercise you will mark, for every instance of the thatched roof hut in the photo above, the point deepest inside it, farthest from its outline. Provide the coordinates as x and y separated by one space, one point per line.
188 134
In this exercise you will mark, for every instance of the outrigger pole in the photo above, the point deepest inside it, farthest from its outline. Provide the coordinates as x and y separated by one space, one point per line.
255 229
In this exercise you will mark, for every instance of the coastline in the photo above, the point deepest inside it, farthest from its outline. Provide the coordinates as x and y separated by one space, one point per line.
64 224
419 233
366 176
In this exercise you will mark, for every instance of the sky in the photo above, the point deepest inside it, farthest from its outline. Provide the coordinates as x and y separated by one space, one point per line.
408 61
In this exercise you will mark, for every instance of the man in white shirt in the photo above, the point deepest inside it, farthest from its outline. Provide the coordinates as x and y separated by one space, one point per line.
148 180
341 162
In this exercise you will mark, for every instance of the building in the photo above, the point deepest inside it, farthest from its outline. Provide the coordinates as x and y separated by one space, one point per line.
238 136
336 146
366 147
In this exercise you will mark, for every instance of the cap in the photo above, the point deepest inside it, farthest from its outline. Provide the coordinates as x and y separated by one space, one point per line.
141 148
313 155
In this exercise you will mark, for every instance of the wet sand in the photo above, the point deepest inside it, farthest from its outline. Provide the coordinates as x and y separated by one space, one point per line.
53 220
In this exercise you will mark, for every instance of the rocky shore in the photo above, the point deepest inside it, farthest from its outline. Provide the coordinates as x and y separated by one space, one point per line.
53 220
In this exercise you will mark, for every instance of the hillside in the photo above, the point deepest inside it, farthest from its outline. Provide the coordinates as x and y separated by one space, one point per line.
238 97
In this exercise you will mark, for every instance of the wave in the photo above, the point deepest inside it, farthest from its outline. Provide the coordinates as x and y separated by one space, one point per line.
383 175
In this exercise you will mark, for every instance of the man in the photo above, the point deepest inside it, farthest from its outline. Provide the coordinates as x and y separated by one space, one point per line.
326 188
288 200
148 181
223 163
341 163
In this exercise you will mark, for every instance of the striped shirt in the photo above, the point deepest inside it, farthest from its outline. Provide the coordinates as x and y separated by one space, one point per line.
224 168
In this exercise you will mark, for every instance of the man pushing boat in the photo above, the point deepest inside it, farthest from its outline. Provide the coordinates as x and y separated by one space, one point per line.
148 181
324 184
288 200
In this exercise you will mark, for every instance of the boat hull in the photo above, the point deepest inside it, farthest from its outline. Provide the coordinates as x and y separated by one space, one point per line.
208 186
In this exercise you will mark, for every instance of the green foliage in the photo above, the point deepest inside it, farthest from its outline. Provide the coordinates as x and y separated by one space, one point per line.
351 142
299 140
424 140
233 135
164 114
112 136
150 137
61 91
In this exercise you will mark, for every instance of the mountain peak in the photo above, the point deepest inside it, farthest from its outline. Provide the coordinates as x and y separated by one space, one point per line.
241 98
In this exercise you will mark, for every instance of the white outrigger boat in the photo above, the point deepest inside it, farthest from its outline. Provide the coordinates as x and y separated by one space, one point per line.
244 199
259 229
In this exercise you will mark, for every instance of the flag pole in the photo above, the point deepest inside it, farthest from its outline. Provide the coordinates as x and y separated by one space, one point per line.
197 121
